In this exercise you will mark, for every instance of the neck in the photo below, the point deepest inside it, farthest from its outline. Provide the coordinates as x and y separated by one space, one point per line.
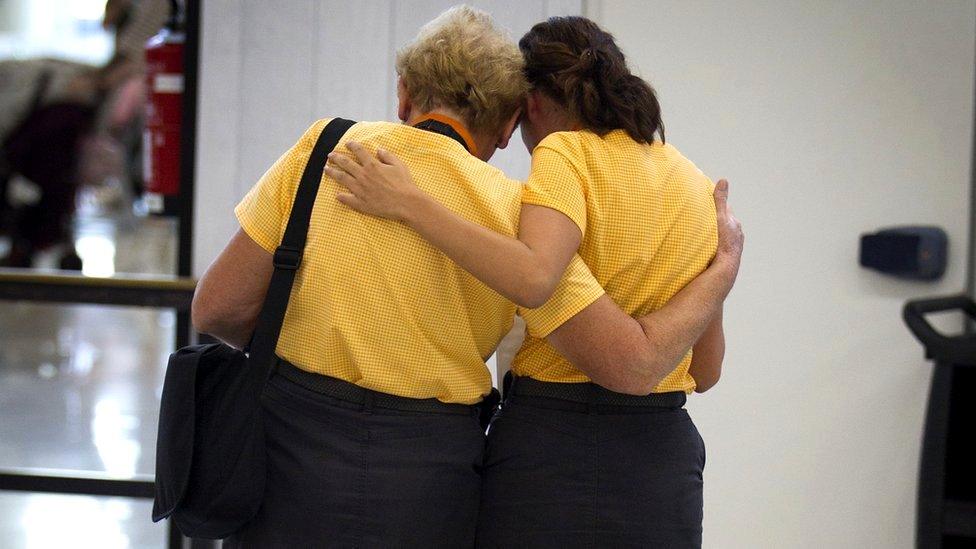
480 145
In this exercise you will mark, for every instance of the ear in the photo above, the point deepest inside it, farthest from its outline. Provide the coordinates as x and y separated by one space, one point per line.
509 129
404 104
533 105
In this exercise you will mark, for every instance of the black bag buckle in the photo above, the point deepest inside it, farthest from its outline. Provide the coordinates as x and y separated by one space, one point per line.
287 258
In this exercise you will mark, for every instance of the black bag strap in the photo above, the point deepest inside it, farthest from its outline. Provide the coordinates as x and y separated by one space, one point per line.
288 256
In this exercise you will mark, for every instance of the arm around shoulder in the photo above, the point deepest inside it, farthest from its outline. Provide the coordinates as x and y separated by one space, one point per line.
525 270
632 356
610 348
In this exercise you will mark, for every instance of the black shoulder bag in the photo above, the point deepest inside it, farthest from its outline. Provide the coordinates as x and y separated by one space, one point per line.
210 453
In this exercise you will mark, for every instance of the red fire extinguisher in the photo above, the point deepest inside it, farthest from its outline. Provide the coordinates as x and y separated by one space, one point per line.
161 138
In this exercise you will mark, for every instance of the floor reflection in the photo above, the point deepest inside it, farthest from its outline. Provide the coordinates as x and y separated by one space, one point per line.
79 389
80 385
46 521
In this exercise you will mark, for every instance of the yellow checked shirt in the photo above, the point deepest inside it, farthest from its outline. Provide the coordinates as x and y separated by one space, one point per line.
648 222
373 303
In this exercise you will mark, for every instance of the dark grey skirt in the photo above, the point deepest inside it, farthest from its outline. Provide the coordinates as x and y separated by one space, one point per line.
567 478
346 475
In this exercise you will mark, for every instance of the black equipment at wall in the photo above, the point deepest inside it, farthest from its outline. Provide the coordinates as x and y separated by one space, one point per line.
917 253
946 514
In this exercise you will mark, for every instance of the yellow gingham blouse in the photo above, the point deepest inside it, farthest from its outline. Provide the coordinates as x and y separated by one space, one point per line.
648 222
375 304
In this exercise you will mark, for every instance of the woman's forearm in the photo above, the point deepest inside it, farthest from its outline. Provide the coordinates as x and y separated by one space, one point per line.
708 354
633 355
524 270
215 313
675 328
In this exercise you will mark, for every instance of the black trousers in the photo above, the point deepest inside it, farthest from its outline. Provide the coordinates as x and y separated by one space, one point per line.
566 478
351 475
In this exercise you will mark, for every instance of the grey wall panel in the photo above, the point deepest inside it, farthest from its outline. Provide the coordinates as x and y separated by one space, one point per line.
218 129
515 15
409 15
277 81
269 68
563 7
354 60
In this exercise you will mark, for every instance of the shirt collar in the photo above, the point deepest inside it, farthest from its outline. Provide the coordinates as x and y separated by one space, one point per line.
453 124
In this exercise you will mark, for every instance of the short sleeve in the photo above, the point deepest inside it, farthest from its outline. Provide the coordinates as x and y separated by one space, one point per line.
264 210
555 182
577 290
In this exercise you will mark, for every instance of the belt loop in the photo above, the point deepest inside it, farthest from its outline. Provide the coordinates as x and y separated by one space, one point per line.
368 400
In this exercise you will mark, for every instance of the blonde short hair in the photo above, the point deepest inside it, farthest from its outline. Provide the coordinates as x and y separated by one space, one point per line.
462 61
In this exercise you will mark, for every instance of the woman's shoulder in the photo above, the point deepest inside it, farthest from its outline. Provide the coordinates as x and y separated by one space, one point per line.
675 157
579 141
362 126
566 142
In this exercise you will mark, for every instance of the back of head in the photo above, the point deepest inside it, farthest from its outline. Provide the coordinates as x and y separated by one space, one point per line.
580 66
463 62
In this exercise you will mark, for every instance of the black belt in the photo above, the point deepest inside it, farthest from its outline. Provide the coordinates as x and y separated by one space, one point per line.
589 397
348 392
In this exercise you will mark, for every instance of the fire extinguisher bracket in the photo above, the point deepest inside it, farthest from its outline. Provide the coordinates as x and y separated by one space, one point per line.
168 83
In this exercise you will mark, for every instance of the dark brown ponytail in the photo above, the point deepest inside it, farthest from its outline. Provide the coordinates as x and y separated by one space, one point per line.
578 64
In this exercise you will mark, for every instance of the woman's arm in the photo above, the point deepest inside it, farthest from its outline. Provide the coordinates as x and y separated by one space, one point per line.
707 356
633 355
525 270
230 294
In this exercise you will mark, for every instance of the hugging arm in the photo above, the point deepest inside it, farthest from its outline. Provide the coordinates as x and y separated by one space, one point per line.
632 356
616 351
709 351
524 270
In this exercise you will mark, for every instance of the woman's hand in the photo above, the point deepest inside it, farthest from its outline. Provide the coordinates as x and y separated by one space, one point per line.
730 236
379 186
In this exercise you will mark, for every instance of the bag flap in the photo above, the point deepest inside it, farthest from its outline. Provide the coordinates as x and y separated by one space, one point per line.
174 439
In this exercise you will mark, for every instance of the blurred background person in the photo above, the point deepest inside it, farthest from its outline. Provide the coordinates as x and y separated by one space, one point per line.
65 125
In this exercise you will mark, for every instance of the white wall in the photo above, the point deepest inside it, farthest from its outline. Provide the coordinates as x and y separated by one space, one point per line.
830 119
269 69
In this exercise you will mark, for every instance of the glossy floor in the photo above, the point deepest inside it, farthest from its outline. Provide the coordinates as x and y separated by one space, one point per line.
79 390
